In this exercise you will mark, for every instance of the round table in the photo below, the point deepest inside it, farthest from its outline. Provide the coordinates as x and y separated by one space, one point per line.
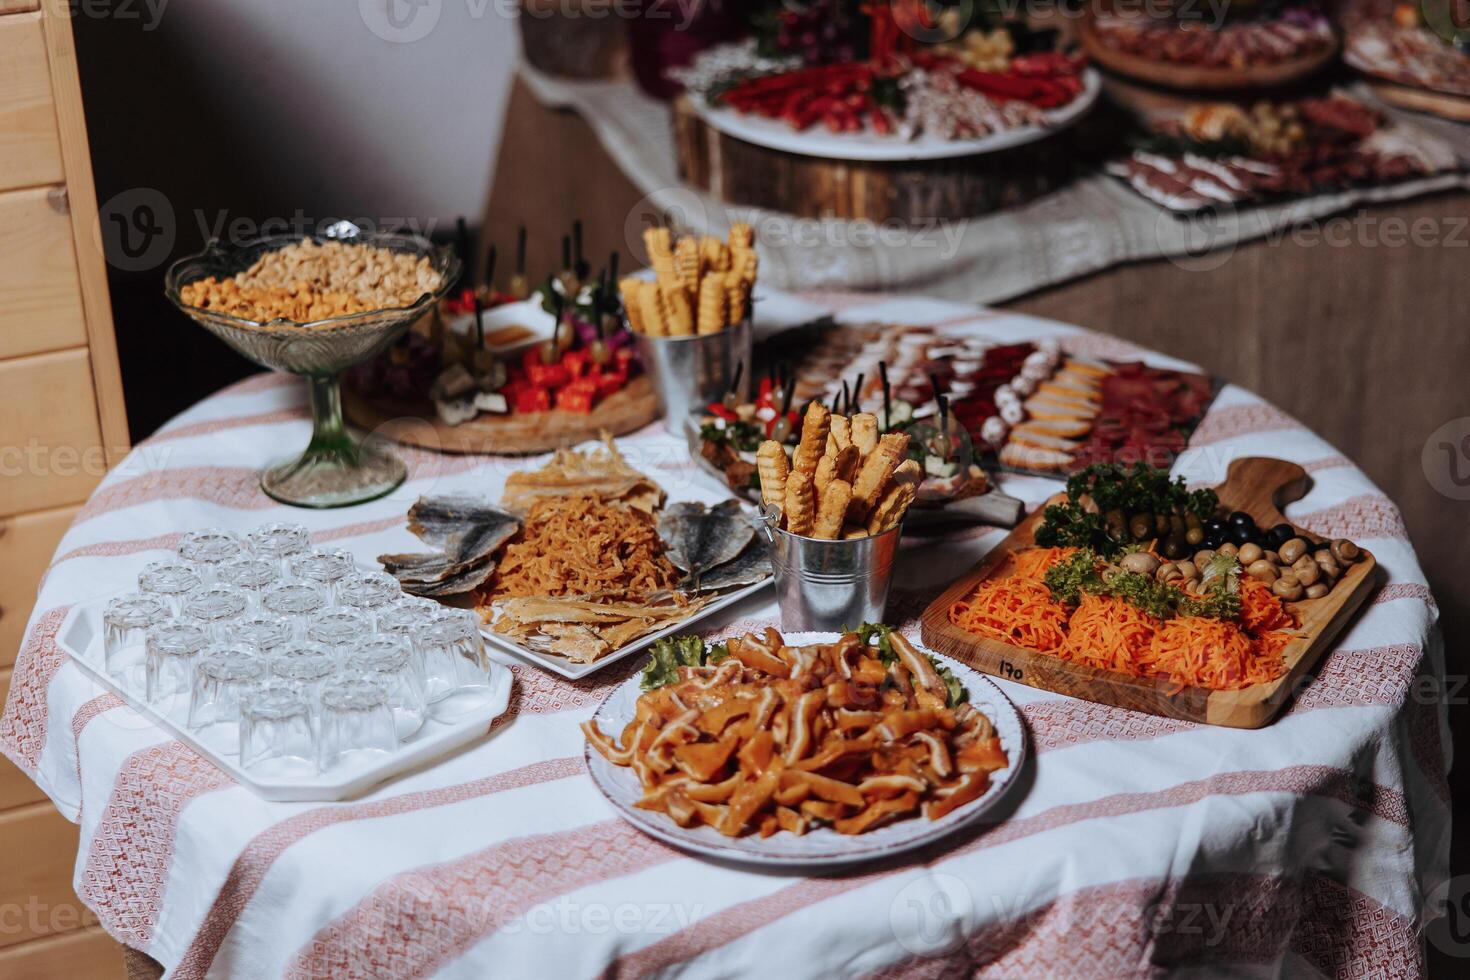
1132 841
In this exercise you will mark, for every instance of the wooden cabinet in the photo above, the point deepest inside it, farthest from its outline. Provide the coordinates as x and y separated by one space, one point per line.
61 425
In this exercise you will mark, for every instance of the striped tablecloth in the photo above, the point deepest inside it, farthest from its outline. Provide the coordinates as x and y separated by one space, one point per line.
1133 842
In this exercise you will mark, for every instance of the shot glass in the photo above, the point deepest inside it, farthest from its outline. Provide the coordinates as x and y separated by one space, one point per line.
171 650
339 630
405 619
278 542
275 729
391 660
222 673
265 632
369 592
305 665
356 721
170 580
125 624
215 607
325 569
210 548
453 653
297 602
252 576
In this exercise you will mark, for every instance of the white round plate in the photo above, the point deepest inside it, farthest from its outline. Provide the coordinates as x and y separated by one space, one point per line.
817 141
822 846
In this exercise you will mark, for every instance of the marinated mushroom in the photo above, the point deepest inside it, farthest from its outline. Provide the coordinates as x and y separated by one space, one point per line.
1202 557
1292 550
1169 572
1249 553
1271 556
1141 562
1345 551
1307 572
1228 548
1288 587
1317 591
1262 571
1188 569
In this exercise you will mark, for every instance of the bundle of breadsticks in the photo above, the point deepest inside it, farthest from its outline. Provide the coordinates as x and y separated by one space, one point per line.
844 480
701 285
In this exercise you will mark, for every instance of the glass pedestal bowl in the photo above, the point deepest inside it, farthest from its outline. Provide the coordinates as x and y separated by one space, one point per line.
336 469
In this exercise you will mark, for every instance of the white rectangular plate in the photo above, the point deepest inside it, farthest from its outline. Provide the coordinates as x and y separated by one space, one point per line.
444 732
572 670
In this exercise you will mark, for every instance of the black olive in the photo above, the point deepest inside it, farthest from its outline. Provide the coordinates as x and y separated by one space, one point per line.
1241 519
1279 535
1240 534
1214 526
1212 541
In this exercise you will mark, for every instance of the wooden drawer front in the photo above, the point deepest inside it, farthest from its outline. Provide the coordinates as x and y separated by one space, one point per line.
87 953
50 445
30 149
40 296
27 543
35 875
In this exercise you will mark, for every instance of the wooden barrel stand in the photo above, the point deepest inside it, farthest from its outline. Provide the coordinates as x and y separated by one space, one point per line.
909 191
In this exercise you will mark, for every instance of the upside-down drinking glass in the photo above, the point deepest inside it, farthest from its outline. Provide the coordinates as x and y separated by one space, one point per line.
125 624
171 650
252 576
453 653
209 548
306 665
370 592
338 630
214 607
356 721
324 569
264 631
279 541
222 672
391 660
170 580
296 602
275 728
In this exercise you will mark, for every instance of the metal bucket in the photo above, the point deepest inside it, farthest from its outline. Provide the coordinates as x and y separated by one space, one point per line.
690 372
829 586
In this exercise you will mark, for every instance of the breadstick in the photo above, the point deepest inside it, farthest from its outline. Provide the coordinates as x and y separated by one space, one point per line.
841 430
825 474
742 235
833 510
650 298
658 241
874 476
711 306
892 507
689 263
846 463
813 438
631 289
800 508
852 533
771 462
865 432
681 314
909 471
737 298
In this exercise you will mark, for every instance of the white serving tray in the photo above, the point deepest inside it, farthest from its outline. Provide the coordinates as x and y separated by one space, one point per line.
572 670
776 134
822 847
459 719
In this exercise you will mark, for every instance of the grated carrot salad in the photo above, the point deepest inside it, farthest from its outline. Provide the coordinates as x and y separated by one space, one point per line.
1210 653
1017 610
1035 562
1109 633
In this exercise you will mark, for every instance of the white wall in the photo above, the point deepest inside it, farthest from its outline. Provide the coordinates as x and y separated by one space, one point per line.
366 114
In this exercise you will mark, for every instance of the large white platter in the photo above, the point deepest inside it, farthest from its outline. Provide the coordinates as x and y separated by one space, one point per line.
573 670
452 723
819 142
823 846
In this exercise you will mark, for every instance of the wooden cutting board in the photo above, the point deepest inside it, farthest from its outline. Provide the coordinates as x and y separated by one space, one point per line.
417 424
1256 485
1197 78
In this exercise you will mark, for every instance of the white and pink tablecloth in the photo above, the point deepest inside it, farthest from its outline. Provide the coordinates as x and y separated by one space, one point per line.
1133 842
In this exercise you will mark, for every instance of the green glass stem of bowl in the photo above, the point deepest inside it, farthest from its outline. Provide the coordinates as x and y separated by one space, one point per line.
335 470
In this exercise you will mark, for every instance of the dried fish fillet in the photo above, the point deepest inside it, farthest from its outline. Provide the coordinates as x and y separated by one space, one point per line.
601 472
751 566
701 538
465 528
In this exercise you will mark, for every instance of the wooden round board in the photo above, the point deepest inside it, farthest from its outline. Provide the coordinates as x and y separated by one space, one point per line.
1256 485
1194 77
417 424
